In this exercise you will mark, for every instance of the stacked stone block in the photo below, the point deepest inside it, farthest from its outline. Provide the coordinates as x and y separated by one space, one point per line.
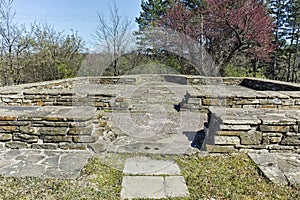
50 128
248 130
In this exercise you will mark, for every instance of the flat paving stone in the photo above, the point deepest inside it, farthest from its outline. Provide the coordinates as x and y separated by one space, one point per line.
153 179
154 187
42 163
280 168
175 186
147 166
143 187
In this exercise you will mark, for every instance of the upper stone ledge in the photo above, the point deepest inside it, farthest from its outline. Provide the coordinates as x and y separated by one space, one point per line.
269 85
255 116
12 113
253 83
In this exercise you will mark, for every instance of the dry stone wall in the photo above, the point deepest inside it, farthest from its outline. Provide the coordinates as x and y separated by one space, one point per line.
51 128
227 92
242 93
253 130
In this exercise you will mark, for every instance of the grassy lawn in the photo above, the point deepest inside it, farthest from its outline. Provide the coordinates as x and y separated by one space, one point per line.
210 177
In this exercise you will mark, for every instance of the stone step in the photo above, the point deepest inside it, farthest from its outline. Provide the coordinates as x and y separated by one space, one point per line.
157 179
148 166
154 187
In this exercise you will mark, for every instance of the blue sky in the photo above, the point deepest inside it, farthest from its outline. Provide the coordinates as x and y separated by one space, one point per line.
64 15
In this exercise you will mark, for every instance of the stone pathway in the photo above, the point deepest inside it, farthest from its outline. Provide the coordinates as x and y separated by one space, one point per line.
282 169
42 163
155 179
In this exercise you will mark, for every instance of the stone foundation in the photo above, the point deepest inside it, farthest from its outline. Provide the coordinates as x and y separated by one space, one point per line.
63 114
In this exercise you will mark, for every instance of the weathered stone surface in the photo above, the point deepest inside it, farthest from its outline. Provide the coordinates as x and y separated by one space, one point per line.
294 128
30 158
102 123
74 131
282 169
29 130
196 101
213 102
255 147
50 139
235 127
291 140
259 151
277 119
72 146
143 187
280 147
25 138
87 130
176 187
45 146
269 128
84 139
52 131
97 132
226 140
8 128
152 186
8 118
251 138
16 145
239 120
97 147
120 99
220 149
5 137
147 166
43 164
229 133
272 138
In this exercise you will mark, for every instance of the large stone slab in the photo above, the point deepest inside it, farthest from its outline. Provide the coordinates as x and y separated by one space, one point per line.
142 187
42 163
147 166
282 169
154 187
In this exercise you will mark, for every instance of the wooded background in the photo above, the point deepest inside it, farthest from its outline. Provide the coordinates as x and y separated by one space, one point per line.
243 37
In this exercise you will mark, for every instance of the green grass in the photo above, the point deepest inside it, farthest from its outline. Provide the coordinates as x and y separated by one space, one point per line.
210 177
230 177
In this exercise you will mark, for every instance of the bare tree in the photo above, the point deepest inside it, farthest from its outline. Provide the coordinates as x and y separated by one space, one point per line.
112 35
10 35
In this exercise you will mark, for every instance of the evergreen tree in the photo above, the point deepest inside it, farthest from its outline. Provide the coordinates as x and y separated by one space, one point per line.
293 24
285 61
152 10
278 10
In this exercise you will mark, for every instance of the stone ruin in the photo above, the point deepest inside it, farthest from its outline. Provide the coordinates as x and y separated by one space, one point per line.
243 114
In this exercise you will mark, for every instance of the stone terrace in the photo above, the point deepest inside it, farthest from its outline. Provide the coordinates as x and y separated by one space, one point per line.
245 114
